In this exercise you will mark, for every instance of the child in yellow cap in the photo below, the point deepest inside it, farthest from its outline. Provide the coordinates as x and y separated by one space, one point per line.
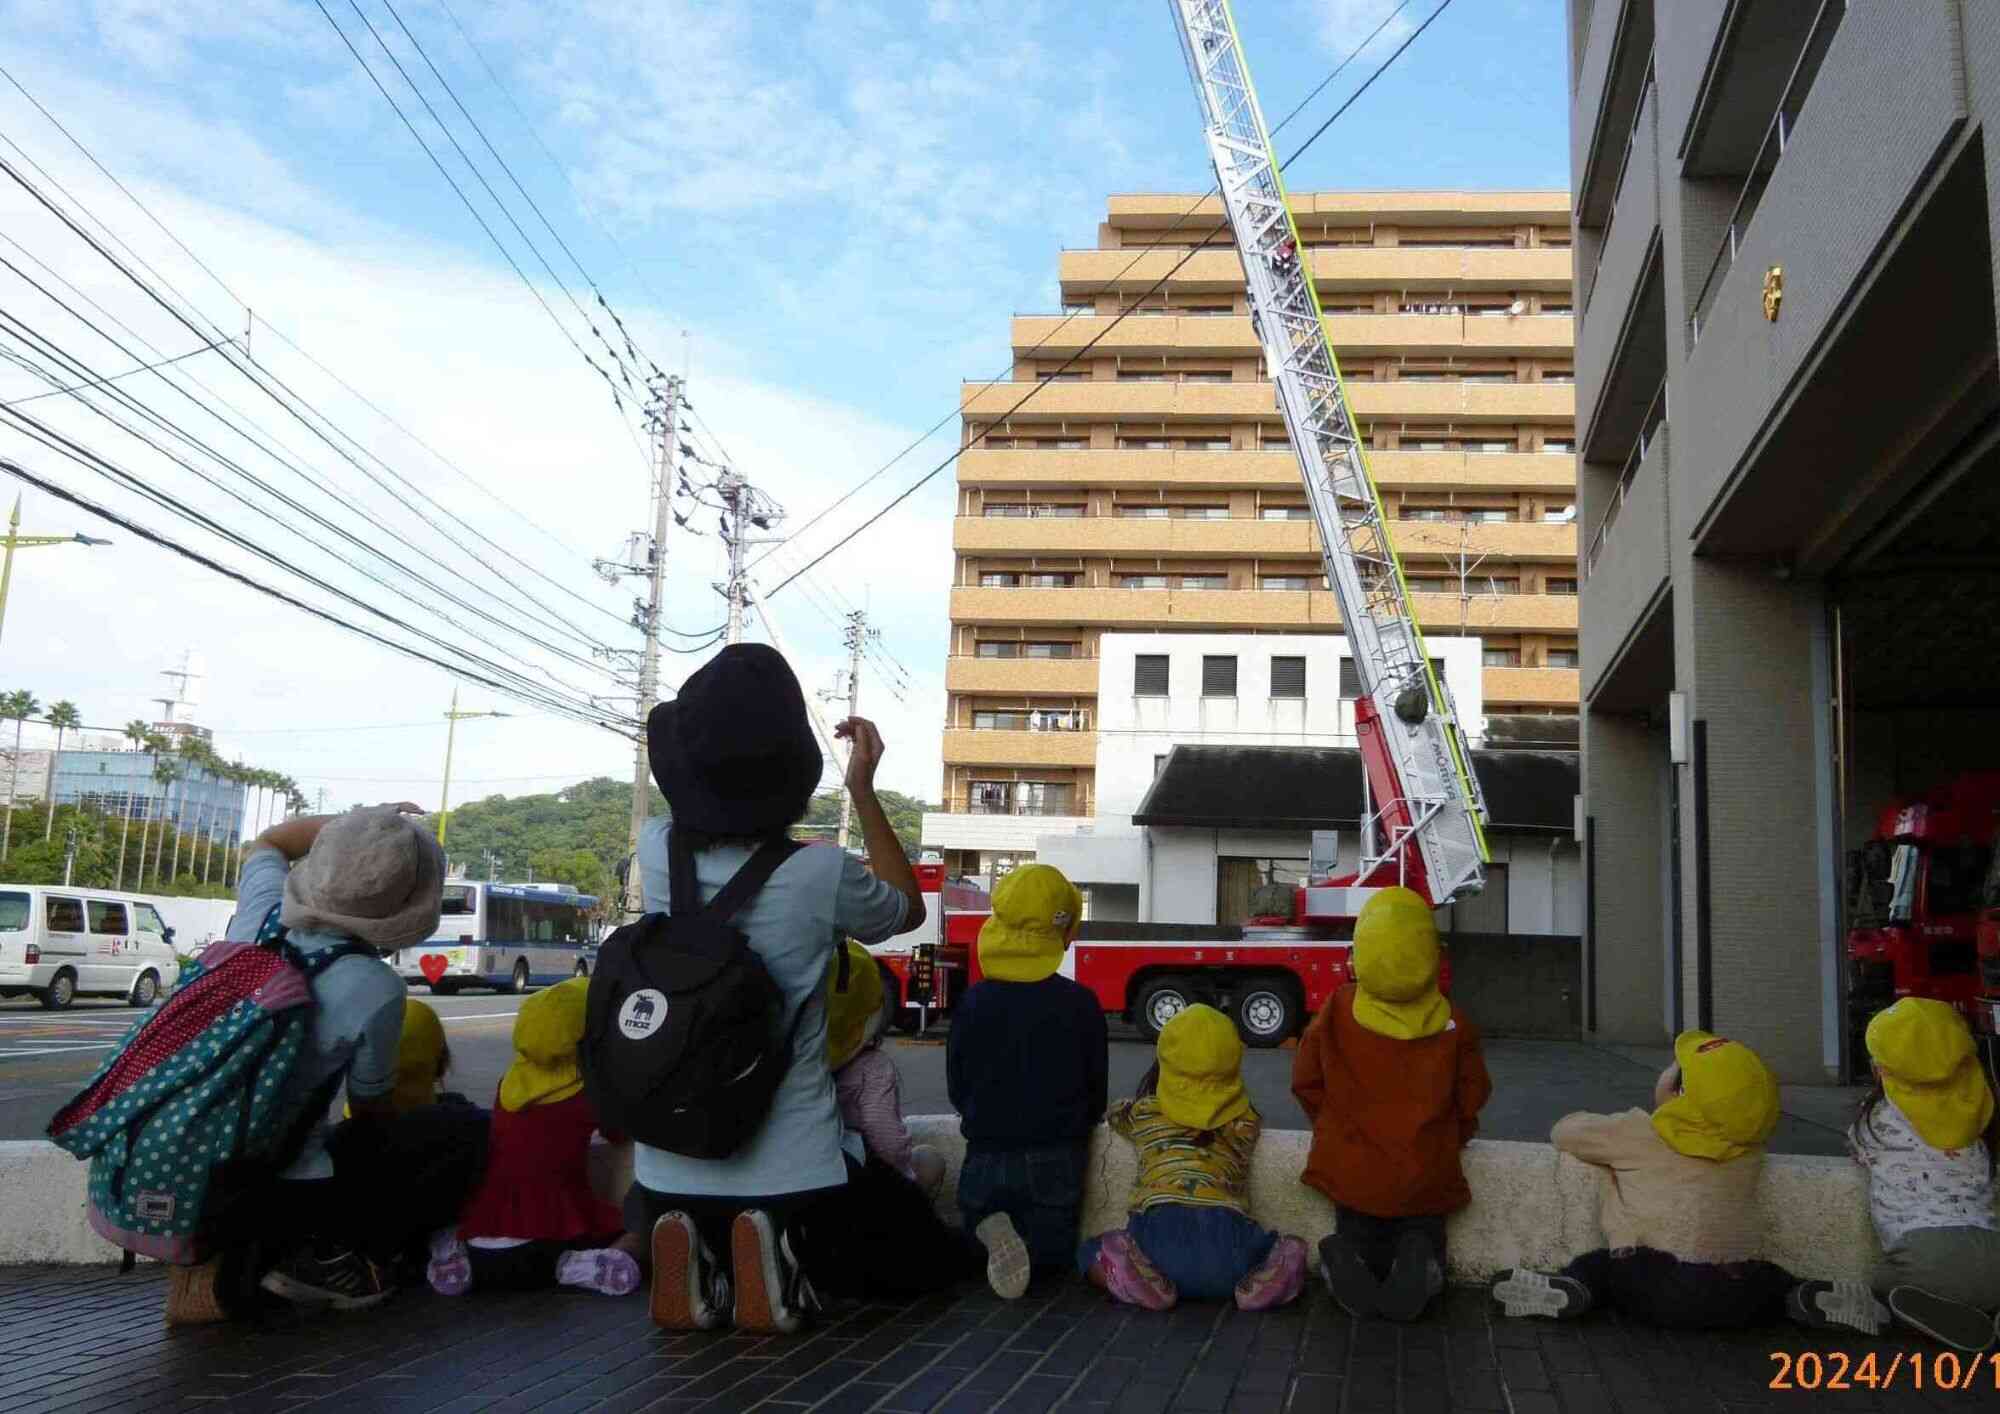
534 1221
1925 1137
1025 1065
1678 1205
1189 1233
1392 1077
422 1058
865 1079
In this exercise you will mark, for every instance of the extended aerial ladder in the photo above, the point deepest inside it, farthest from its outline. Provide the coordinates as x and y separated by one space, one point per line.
1425 830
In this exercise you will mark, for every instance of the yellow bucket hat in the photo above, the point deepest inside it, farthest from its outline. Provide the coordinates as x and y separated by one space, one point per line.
1396 967
1931 1071
1728 1103
417 1056
849 1011
547 1029
1201 1069
1033 911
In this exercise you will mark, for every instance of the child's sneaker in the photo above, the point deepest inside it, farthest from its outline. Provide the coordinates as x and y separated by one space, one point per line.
1837 1305
1130 1276
605 1270
328 1276
1414 1279
1949 1323
690 1293
1353 1286
1278 1281
1522 1291
449 1270
772 1293
1007 1262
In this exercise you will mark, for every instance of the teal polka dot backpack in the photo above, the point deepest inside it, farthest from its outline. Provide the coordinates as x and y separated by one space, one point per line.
197 1086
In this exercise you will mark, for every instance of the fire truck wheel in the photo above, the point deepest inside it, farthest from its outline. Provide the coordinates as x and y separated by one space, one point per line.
1160 1001
1266 1013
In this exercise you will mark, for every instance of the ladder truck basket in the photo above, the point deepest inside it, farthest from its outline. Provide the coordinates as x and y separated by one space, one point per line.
1413 746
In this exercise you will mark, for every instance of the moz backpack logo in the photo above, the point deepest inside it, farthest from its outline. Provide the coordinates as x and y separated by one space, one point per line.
644 1013
154 1207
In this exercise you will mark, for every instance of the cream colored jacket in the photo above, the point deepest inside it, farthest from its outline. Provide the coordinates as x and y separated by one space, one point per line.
1699 1210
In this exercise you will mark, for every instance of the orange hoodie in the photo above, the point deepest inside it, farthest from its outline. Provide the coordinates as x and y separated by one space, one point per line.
1389 1116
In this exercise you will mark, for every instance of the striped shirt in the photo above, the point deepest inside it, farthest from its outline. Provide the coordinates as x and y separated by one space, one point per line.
871 1105
1174 1169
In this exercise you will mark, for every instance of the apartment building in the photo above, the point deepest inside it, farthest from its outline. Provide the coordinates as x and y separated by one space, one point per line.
1149 486
1790 486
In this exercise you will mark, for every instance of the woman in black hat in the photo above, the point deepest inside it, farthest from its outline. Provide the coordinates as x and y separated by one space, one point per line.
735 756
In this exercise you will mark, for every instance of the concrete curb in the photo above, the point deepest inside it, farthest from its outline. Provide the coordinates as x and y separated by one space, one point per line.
1531 1205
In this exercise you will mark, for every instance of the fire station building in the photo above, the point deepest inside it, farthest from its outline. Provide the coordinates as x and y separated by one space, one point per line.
1789 466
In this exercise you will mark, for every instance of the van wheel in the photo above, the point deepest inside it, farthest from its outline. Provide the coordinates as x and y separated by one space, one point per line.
519 982
1266 1014
60 992
146 990
1160 1001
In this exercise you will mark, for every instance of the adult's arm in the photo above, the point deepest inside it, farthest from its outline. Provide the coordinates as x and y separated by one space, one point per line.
885 848
294 838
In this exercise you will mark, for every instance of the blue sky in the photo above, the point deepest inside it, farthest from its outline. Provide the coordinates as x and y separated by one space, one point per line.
839 203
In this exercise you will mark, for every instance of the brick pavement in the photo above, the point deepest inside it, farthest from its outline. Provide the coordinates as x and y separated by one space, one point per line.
88 1339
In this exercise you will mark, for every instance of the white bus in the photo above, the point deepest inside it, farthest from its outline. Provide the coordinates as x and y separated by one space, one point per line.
508 937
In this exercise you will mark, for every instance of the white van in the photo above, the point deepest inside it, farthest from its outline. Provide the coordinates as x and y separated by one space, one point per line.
59 943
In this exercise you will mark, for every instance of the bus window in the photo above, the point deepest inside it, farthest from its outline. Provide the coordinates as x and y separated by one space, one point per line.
504 919
460 900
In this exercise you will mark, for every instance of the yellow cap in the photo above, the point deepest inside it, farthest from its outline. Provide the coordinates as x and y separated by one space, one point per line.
849 1012
547 1030
1201 1069
417 1056
1931 1070
1728 1103
1396 967
1034 909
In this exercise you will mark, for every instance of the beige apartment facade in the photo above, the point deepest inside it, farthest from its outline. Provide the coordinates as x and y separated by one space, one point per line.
1149 485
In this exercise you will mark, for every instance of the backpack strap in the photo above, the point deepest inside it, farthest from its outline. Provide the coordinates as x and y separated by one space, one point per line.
755 873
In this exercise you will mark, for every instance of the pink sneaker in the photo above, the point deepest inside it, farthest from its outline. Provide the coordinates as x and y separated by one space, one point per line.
1130 1276
449 1270
601 1269
1278 1281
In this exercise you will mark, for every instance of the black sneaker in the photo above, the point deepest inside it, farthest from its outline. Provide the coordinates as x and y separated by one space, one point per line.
1413 1279
1522 1291
1353 1286
328 1276
1837 1305
772 1293
1949 1323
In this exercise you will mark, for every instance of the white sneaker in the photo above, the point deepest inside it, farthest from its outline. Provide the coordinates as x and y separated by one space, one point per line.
1007 1263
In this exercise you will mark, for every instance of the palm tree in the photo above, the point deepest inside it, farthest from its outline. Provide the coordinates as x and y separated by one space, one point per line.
197 754
166 771
64 718
136 732
19 706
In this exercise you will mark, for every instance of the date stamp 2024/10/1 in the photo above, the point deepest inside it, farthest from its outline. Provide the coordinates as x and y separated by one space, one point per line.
1919 1369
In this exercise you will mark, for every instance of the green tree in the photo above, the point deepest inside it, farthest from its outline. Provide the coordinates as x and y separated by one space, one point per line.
136 732
906 817
18 706
64 718
165 771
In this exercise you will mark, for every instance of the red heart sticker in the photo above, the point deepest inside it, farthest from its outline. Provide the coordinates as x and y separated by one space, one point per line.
432 965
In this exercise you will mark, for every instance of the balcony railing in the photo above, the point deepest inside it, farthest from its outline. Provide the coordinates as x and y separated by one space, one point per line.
982 805
1056 721
1655 419
1624 165
1769 153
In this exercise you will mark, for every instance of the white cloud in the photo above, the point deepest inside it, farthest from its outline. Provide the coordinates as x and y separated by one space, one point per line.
1343 25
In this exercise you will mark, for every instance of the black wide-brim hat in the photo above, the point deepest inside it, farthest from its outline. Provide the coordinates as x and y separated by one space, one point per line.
734 753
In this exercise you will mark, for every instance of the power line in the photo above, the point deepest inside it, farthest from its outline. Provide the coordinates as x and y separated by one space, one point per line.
1120 318
112 377
1142 252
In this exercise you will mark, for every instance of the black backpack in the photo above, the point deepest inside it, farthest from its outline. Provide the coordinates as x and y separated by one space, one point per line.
684 1039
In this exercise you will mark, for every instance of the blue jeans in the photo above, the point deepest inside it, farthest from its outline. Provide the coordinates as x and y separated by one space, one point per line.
1041 1190
1203 1251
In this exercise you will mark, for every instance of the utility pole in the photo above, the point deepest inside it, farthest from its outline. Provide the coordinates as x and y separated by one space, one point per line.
492 866
453 716
748 509
856 634
15 540
69 855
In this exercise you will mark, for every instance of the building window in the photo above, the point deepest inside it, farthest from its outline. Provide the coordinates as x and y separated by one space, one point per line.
1072 310
1284 513
1070 444
1019 798
1206 375
1563 445
1559 375
1487 517
1144 444
1204 581
1285 581
997 512
992 580
1421 375
1143 375
1501 658
1277 444
1288 677
1204 513
1559 515
1149 675
1207 444
1559 658
1066 580
1033 719
1145 512
1142 581
1487 375
1559 586
1431 513
1489 446
1555 308
1218 675
1429 444
1051 650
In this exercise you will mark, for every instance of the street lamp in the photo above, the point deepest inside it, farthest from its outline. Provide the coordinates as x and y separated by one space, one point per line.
15 540
454 716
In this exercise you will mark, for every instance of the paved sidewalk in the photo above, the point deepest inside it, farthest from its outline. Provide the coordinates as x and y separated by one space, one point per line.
88 1339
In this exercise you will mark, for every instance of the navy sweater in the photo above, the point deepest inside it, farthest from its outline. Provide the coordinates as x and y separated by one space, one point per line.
1025 1063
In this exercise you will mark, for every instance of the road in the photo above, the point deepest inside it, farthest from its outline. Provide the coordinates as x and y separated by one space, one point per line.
46 1056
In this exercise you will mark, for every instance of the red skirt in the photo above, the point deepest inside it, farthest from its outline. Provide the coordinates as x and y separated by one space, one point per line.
537 1182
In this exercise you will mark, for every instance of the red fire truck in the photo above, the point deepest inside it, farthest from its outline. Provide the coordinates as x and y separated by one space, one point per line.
1917 928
